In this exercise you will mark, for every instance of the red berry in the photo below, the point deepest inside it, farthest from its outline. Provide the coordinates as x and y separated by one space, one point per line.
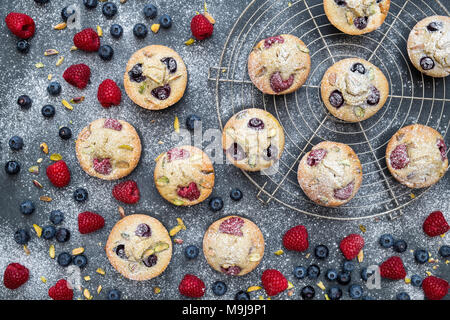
190 192
191 286
434 288
58 173
112 124
20 25
273 282
109 93
15 275
78 75
232 226
351 245
201 27
89 222
435 224
61 291
126 191
87 40
399 157
393 269
177 154
102 166
296 239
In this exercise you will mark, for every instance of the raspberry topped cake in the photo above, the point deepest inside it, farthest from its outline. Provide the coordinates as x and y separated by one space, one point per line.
155 77
356 16
429 46
417 156
353 89
253 139
184 175
108 149
139 247
279 65
233 245
330 174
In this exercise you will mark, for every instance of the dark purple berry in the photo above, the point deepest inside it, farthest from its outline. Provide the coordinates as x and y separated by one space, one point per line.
361 22
336 99
256 123
236 152
150 261
427 63
358 67
171 64
434 26
136 73
162 92
120 251
374 97
143 230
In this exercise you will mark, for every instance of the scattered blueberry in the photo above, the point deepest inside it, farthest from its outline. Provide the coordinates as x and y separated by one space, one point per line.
109 9
191 252
114 294
236 194
402 296
56 216
321 251
62 235
22 236
23 46
64 259
116 30
80 195
106 52
65 13
344 278
242 295
190 121
299 272
48 111
165 21
27 207
150 11
140 31
80 261
416 280
355 291
307 293
219 288
12 167
90 4
65 133
313 271
334 293
348 266
216 203
16 143
54 88
365 274
444 251
24 101
48 232
331 275
400 246
386 241
421 256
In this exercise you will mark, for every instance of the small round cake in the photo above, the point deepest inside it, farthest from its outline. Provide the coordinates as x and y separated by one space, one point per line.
108 149
330 174
253 139
184 175
139 247
233 245
417 156
354 89
155 77
356 17
279 65
429 46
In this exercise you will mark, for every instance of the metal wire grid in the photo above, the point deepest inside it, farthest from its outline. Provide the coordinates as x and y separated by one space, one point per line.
413 99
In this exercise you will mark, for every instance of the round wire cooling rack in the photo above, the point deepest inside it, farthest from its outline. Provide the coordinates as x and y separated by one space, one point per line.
413 98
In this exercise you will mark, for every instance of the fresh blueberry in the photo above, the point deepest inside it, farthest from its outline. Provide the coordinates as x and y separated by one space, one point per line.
191 252
54 88
114 294
80 195
56 216
444 251
65 133
90 4
355 291
307 293
416 280
331 275
191 120
165 21
334 293
23 46
116 31
400 246
64 259
106 52
62 235
80 261
365 274
321 251
22 236
48 232
242 295
140 31
348 266
66 13
216 203
299 272
344 278
219 288
421 256
16 143
24 101
386 241
27 207
150 11
109 9
12 167
48 111
402 296
236 194
313 271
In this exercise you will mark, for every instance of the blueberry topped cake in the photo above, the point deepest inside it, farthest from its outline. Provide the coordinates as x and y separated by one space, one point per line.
184 176
139 247
233 245
253 139
108 149
417 156
429 46
330 174
354 89
155 77
279 65
356 16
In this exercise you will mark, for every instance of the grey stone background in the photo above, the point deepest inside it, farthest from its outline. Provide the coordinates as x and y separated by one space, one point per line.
21 77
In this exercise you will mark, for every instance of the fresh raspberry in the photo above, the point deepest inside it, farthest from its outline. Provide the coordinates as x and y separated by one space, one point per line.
434 288
15 275
78 75
89 222
190 192
435 224
20 25
112 124
351 245
191 286
87 40
109 93
201 27
177 154
61 291
296 239
126 191
232 226
102 166
58 173
393 269
273 282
